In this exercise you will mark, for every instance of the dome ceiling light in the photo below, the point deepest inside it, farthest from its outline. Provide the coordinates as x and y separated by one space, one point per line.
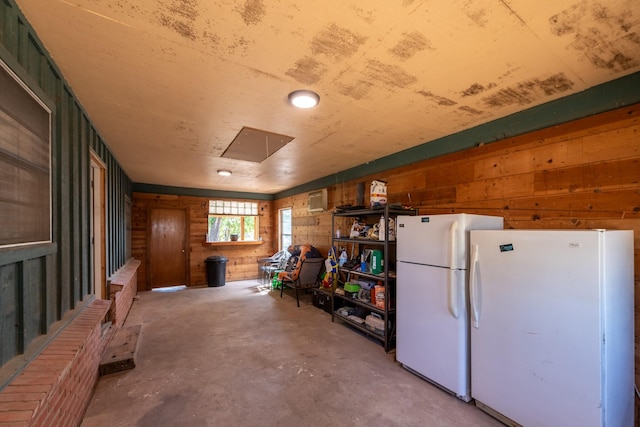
224 172
304 98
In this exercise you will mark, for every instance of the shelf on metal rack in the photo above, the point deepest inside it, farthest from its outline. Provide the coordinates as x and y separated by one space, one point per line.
359 326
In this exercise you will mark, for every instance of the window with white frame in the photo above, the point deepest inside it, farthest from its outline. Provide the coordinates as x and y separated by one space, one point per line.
25 164
286 234
231 220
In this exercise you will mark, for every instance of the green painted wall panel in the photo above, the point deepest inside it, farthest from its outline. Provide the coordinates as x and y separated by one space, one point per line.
32 297
44 282
9 318
74 203
64 245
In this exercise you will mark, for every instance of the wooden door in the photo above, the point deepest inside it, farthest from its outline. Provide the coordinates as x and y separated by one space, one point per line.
97 226
167 247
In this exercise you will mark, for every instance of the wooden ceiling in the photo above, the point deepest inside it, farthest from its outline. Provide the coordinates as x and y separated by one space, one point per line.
170 83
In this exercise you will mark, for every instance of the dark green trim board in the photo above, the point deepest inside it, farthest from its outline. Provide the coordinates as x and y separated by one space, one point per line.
598 99
20 253
198 192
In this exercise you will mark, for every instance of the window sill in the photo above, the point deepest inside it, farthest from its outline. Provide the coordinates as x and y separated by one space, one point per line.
230 243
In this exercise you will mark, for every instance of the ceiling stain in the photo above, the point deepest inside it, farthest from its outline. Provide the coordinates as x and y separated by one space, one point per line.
478 16
183 126
366 15
410 44
357 91
307 71
440 100
265 74
182 28
616 60
188 9
470 110
527 92
389 75
179 16
212 37
253 12
601 35
240 43
336 42
476 89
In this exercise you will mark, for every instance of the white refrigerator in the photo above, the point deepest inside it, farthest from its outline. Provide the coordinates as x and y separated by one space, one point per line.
552 329
432 331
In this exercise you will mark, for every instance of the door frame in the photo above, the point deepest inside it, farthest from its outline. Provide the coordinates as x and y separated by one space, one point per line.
187 260
98 178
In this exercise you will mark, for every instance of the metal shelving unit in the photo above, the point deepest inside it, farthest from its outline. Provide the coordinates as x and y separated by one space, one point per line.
387 277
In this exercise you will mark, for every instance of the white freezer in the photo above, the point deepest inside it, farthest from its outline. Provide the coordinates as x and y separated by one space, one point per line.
552 326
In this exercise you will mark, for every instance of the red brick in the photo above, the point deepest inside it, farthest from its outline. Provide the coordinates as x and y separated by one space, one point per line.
19 405
15 416
21 397
42 388
15 424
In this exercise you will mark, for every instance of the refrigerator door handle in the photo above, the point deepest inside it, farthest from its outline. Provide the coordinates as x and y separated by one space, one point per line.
453 291
453 294
473 291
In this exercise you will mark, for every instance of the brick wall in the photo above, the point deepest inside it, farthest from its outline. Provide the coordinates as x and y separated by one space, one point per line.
123 288
55 388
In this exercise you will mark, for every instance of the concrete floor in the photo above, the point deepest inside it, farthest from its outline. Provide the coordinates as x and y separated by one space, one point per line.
238 355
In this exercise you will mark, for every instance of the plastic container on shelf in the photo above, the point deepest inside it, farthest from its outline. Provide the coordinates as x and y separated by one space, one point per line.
375 323
343 258
376 262
379 296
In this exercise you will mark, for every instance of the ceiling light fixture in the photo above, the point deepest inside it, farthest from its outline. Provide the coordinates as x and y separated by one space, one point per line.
304 98
223 172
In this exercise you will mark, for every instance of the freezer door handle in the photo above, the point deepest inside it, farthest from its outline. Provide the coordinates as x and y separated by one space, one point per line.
473 291
453 244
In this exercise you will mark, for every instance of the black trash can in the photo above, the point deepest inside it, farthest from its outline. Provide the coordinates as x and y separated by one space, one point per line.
216 270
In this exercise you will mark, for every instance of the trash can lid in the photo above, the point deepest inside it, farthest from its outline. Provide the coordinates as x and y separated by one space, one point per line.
216 258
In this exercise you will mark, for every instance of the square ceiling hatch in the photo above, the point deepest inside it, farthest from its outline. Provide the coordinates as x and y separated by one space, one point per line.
255 145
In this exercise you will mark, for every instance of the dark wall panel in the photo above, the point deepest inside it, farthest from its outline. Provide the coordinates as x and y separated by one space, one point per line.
41 284
64 246
50 274
32 299
8 308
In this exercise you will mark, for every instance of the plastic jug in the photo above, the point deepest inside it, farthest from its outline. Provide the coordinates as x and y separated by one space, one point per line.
392 229
376 262
343 258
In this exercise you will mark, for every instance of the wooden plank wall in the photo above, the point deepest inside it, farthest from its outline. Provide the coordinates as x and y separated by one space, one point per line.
40 285
242 258
580 175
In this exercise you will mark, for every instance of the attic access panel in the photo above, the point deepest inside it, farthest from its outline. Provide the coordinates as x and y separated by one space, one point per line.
255 145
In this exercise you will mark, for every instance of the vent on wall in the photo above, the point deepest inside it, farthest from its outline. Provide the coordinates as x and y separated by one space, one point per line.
318 200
